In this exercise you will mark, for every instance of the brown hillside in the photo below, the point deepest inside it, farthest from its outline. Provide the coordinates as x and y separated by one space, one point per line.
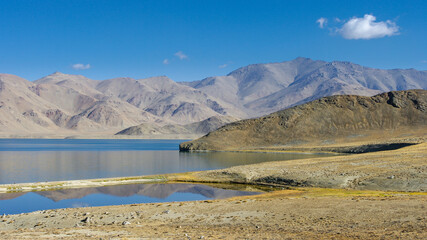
323 121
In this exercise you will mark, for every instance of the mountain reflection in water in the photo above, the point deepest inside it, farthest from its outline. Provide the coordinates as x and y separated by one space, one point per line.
11 203
40 166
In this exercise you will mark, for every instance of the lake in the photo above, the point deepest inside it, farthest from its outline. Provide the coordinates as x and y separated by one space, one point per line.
13 203
39 160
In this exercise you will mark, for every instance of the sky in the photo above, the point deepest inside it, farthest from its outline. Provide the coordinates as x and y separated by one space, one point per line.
190 40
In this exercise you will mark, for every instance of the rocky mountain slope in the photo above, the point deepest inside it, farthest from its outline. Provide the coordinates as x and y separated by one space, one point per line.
20 108
323 121
167 99
197 128
48 108
70 104
261 89
64 104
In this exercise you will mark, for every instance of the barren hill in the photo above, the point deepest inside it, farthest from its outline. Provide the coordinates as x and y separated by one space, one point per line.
323 120
53 106
196 128
21 110
78 83
165 98
64 104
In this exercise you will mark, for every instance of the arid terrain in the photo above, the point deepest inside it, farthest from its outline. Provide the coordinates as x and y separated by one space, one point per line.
286 214
213 119
64 105
373 188
350 204
323 122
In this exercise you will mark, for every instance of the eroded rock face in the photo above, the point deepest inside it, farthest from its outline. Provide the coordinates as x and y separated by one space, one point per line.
167 99
105 115
33 116
406 99
323 119
58 117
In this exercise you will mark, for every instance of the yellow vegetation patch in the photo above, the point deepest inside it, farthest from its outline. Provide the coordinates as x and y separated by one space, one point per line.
325 192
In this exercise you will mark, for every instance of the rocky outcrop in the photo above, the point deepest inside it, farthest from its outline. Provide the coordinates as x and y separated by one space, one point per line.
58 117
325 119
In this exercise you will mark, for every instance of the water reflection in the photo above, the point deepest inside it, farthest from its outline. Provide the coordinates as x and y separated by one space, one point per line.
38 166
11 203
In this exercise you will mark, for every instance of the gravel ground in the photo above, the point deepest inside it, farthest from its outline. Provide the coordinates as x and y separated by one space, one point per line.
286 214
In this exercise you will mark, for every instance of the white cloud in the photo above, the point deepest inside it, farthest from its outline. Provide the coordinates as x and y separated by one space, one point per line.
322 22
166 61
80 66
424 61
181 55
367 28
223 65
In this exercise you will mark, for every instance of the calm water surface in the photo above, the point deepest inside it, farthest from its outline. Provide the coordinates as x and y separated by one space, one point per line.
37 160
13 203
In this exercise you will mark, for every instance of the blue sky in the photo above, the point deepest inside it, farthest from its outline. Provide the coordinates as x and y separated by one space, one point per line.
191 40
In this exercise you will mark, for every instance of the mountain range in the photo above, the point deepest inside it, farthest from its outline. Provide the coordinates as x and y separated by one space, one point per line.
66 105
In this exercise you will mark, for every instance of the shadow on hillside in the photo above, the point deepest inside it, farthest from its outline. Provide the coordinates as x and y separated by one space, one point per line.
372 148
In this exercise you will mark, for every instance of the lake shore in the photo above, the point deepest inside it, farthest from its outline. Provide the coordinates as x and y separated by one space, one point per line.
84 183
296 214
402 169
350 210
